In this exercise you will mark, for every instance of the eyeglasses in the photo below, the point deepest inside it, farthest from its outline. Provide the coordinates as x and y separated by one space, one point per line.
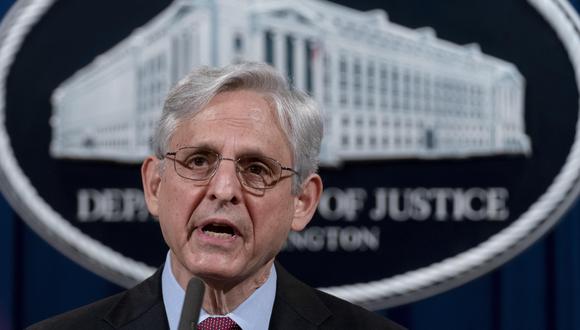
200 164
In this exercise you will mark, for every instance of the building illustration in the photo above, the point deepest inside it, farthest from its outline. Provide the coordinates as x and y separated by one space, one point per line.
387 91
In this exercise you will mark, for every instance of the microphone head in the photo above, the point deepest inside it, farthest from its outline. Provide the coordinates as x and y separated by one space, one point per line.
192 304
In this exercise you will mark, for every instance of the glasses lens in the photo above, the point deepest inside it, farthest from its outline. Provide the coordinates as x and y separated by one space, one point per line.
195 163
259 172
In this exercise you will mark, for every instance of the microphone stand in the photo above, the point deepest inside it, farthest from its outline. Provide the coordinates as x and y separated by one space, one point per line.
192 304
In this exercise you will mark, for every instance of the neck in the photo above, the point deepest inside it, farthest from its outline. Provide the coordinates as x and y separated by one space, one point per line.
222 297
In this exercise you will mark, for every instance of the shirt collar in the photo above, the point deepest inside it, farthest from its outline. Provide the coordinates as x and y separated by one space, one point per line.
253 313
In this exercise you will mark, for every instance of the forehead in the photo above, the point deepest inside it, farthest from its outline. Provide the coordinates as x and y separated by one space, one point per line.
244 107
243 119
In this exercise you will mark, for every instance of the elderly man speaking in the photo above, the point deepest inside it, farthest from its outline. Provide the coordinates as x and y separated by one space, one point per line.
234 171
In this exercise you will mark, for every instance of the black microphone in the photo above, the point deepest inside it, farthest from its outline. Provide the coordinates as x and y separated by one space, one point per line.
191 304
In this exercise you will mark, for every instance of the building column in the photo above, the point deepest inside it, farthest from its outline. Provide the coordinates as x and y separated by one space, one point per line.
195 49
279 51
187 63
257 46
318 72
300 63
205 43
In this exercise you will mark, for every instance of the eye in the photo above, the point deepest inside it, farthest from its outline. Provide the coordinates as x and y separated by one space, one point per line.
199 159
256 166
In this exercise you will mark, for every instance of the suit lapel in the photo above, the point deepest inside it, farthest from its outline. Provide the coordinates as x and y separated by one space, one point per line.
296 305
140 307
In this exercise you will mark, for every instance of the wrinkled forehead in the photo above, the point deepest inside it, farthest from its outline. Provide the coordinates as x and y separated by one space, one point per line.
248 109
225 107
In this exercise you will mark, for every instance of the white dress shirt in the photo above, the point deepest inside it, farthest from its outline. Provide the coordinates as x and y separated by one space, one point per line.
253 313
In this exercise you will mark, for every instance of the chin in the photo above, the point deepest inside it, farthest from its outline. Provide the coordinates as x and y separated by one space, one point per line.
216 272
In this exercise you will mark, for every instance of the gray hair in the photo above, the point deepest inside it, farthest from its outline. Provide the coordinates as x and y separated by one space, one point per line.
298 114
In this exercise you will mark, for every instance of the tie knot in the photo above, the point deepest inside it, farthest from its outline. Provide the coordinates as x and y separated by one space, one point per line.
218 323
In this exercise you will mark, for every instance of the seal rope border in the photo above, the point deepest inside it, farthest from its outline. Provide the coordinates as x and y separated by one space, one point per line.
501 247
68 239
403 288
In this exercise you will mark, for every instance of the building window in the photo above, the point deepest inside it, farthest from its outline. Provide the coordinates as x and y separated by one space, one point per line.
418 91
395 88
238 43
269 47
290 58
385 140
427 92
371 85
406 90
357 83
438 97
309 54
383 87
327 79
343 81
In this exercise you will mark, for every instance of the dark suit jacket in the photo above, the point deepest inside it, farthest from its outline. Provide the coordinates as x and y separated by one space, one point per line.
296 306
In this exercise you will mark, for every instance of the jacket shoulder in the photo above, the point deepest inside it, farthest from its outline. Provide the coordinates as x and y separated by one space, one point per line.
301 306
85 317
140 307
350 316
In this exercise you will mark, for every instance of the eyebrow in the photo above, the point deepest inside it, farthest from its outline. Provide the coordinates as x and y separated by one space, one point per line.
252 151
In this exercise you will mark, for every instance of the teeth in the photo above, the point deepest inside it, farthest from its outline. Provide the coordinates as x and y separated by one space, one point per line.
218 235
218 230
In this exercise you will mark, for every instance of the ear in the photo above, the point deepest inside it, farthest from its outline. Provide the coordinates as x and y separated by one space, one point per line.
306 202
151 182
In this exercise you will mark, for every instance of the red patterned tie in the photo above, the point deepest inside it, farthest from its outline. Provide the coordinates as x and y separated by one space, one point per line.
218 323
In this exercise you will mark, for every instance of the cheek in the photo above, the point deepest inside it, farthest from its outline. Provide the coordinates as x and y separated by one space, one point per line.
176 207
272 219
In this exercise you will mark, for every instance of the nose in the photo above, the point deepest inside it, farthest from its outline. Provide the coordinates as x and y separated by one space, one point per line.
224 186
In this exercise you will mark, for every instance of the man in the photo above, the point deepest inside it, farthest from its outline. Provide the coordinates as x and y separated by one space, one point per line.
234 172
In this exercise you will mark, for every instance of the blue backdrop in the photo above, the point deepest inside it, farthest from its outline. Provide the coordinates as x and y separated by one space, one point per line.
539 289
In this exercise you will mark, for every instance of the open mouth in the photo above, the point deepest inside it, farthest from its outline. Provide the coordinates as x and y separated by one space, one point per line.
218 230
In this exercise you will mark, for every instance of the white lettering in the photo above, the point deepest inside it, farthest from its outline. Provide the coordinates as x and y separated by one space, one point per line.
111 205
336 203
441 204
496 204
332 239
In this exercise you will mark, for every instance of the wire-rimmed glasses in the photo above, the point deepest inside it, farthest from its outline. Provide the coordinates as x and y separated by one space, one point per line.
253 171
